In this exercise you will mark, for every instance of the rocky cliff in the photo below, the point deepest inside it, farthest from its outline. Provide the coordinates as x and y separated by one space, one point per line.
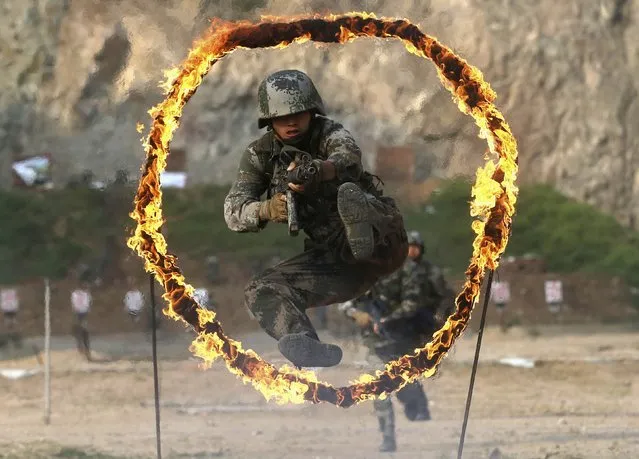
79 74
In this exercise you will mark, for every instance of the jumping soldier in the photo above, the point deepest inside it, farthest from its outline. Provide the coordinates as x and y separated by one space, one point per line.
355 235
396 316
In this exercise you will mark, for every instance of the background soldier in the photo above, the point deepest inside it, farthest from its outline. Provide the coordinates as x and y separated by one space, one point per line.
81 304
133 300
396 316
9 305
355 235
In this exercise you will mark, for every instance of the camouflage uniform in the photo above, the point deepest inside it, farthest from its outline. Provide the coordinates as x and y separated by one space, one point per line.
412 301
328 271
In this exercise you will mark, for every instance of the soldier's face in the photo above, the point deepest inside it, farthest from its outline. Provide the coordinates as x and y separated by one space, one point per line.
290 127
414 251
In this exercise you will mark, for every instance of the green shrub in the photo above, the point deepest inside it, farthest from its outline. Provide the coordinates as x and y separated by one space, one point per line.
48 233
570 236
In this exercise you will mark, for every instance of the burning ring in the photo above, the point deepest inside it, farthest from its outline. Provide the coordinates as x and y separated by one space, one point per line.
494 196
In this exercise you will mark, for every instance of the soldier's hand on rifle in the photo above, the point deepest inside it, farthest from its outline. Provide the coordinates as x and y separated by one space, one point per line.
304 178
274 209
377 326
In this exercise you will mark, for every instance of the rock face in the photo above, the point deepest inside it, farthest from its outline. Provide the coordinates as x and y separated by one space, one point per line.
79 74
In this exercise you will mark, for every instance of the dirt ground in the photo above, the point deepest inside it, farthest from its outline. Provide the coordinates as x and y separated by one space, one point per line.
580 400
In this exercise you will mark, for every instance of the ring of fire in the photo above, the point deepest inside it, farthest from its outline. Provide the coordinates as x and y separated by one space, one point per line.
494 196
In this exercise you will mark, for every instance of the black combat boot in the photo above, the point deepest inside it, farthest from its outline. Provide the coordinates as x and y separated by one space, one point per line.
306 350
413 397
355 212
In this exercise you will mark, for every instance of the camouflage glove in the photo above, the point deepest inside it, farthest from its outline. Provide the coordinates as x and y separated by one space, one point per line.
274 209
361 318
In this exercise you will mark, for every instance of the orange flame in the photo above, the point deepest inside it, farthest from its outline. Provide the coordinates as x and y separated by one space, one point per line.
494 194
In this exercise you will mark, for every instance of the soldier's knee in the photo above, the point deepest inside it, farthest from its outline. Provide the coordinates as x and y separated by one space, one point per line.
252 290
260 294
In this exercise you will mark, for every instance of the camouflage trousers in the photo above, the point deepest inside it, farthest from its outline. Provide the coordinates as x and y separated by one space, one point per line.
411 396
325 273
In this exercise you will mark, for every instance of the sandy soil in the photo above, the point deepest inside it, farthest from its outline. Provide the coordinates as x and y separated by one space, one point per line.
579 401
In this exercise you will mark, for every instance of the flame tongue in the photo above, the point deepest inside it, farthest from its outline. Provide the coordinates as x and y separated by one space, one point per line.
494 200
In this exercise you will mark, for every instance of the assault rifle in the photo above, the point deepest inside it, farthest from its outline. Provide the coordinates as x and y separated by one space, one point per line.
305 170
420 324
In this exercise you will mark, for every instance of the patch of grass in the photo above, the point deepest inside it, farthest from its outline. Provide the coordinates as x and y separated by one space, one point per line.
75 453
51 451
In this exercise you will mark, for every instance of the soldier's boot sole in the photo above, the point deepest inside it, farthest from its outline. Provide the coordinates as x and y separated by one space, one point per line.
304 351
388 445
354 210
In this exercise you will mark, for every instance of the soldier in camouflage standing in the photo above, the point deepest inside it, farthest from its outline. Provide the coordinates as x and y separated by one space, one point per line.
354 234
399 314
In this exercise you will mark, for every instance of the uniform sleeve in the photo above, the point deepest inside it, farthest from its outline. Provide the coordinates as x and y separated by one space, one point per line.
241 206
343 152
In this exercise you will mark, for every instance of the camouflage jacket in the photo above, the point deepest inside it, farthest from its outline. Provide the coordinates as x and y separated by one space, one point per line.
408 289
260 172
417 287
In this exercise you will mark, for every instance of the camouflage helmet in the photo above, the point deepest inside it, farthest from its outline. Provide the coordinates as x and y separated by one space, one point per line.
415 238
287 92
